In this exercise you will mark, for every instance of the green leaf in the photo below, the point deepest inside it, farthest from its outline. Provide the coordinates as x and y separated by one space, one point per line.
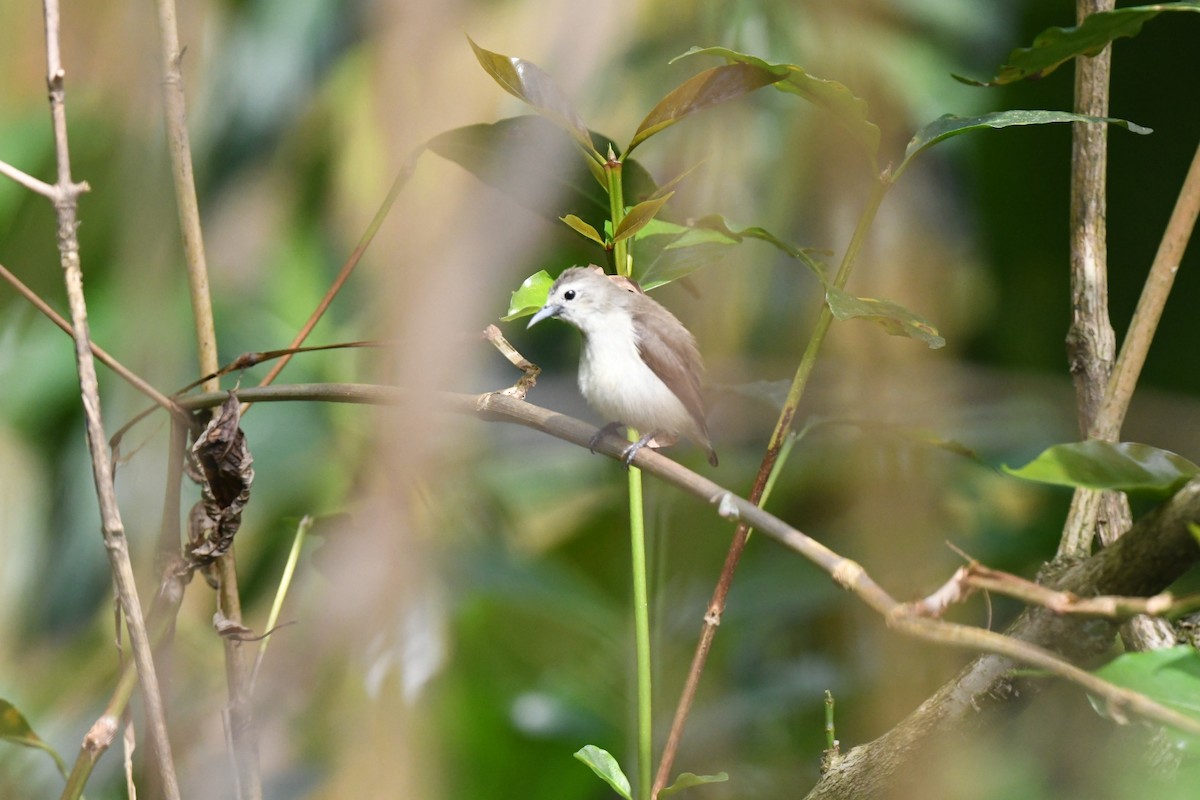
605 766
529 296
667 251
687 780
709 88
638 216
536 164
1170 675
949 125
582 228
1054 46
529 82
16 729
1194 529
895 319
1109 466
848 110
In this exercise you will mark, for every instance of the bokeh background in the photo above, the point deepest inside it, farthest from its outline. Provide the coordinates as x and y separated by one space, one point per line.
462 609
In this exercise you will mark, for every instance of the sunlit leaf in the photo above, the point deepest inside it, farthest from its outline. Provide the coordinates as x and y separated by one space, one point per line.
709 88
1169 675
894 318
1054 46
1110 466
848 110
536 164
949 125
529 296
529 82
638 216
16 729
605 766
687 780
582 228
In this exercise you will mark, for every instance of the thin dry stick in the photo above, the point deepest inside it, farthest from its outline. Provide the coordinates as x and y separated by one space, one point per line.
1091 343
65 205
1150 305
498 406
132 378
245 744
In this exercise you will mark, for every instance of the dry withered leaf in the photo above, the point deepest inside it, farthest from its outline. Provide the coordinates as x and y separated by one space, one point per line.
225 465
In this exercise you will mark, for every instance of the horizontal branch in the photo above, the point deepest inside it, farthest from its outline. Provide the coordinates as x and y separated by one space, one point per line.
1153 554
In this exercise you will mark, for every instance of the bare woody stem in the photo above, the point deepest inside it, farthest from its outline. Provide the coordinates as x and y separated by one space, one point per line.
1091 343
65 205
237 665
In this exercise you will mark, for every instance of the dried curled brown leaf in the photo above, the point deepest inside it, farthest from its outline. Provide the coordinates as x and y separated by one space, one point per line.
224 465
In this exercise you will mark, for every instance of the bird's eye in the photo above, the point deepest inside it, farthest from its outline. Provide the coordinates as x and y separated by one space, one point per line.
569 294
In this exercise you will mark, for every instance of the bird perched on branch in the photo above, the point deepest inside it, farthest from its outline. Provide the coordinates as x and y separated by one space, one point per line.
639 368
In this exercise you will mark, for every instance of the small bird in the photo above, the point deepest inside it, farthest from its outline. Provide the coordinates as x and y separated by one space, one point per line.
639 367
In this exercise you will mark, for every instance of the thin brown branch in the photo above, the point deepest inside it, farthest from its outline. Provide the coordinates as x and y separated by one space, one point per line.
530 370
116 545
28 181
1164 548
130 377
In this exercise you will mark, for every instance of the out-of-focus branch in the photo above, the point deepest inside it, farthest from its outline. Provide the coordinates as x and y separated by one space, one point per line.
66 205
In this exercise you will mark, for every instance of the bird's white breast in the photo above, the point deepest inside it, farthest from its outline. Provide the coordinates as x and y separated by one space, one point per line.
620 387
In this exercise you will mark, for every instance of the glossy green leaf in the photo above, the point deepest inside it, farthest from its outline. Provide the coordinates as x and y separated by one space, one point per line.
606 767
1054 46
638 216
582 228
894 318
709 88
1170 675
16 729
949 125
529 296
529 82
687 780
847 109
536 164
1110 466
805 255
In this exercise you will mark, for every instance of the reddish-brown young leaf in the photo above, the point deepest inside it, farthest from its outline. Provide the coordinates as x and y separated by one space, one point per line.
709 88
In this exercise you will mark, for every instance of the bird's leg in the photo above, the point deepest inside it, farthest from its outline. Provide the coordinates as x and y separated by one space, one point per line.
611 427
627 455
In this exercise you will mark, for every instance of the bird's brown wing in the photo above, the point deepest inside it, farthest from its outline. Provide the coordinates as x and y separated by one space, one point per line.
670 351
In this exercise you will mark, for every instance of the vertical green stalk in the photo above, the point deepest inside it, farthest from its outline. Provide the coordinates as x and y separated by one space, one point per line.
616 209
641 629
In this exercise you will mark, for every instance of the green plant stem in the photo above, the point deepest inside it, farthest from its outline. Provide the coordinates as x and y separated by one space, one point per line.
285 582
641 629
616 207
830 730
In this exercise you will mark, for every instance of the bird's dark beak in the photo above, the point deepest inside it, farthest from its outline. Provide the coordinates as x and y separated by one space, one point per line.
545 312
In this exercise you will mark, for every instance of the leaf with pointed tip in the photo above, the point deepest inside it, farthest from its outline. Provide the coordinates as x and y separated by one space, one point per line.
606 767
847 109
638 216
895 319
536 164
667 251
1054 46
583 229
687 780
709 88
529 296
529 82
1110 466
949 125
16 729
